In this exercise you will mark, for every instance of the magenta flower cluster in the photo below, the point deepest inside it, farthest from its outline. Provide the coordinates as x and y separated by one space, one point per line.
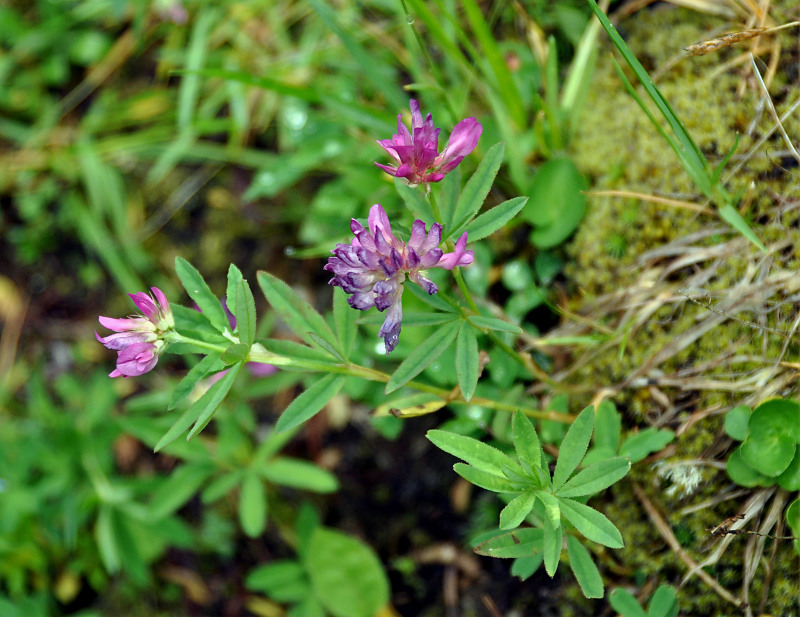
373 267
139 339
416 152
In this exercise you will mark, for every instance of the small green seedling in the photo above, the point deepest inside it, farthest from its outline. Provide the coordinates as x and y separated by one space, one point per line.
554 504
664 603
770 450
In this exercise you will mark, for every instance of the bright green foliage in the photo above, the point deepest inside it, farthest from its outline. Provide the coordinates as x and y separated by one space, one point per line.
770 449
664 603
545 501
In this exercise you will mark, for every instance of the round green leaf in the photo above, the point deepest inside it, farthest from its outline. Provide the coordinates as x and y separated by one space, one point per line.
793 516
346 575
789 480
776 416
556 203
768 453
736 421
741 473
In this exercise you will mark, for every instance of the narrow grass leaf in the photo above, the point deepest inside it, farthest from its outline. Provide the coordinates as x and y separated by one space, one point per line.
731 215
517 509
419 359
591 523
467 361
573 447
185 386
493 323
526 440
198 290
584 568
253 505
246 319
295 311
208 403
596 477
478 187
489 222
310 402
625 603
478 454
195 59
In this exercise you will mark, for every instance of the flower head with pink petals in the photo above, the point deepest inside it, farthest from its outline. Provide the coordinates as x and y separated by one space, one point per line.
373 267
139 339
416 152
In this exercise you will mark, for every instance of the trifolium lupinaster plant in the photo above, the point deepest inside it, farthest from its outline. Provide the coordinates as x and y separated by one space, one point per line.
545 514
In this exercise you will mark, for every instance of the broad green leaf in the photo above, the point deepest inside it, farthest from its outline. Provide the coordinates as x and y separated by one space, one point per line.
769 455
642 444
591 523
296 312
584 568
253 505
300 474
596 477
607 427
792 516
742 473
492 220
476 453
625 604
208 403
198 290
178 488
736 422
344 318
664 603
526 441
519 543
517 509
467 361
552 545
573 447
283 580
414 200
310 402
209 363
776 415
419 359
557 202
245 313
346 575
484 479
525 567
477 187
493 323
789 480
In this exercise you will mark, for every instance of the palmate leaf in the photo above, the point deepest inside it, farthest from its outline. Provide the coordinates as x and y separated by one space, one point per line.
484 479
517 509
526 441
523 542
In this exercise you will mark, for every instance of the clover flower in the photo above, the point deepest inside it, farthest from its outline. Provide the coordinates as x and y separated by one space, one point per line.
416 152
139 339
373 267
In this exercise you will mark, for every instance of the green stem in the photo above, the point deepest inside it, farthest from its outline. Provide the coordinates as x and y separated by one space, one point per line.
176 337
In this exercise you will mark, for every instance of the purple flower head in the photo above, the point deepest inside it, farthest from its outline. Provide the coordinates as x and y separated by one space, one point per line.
373 267
139 339
416 152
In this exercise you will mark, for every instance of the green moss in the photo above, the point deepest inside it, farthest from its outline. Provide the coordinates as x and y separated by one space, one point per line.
620 150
